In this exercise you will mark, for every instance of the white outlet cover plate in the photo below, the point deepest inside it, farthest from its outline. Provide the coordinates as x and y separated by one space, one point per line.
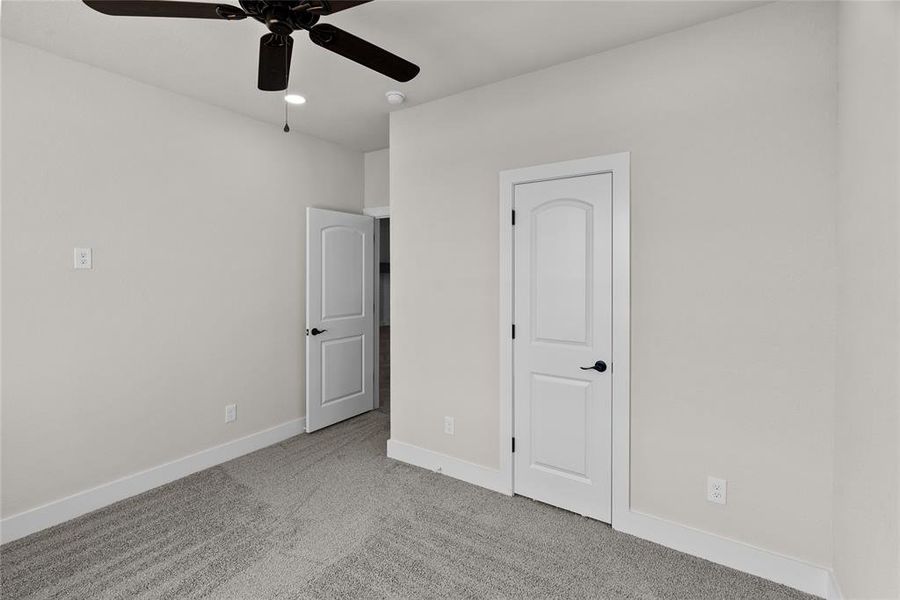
230 413
83 259
449 425
716 490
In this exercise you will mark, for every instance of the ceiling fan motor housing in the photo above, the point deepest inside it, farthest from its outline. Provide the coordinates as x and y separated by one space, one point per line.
282 17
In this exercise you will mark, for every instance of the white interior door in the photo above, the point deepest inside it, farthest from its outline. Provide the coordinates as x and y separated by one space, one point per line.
563 319
340 316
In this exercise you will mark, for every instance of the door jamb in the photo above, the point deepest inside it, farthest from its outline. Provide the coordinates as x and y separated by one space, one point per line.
619 166
378 212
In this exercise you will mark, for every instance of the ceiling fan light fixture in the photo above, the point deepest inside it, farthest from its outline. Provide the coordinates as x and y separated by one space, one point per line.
294 99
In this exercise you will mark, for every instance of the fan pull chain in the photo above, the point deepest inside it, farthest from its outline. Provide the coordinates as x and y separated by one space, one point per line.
287 128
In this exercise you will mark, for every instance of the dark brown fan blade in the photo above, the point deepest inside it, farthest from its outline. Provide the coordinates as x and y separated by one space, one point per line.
166 8
274 62
329 7
363 52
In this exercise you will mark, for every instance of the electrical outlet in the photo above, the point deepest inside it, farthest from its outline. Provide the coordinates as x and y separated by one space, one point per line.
716 490
449 425
83 258
230 413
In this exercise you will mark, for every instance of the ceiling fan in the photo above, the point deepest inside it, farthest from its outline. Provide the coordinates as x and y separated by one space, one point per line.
282 17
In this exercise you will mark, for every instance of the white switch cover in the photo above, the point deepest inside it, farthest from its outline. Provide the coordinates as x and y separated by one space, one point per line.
449 425
716 490
230 413
83 258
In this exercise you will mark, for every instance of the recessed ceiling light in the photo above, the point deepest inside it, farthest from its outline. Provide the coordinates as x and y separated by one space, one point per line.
295 99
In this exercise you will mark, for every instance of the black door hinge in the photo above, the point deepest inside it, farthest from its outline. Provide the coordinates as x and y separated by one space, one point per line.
514 444
513 217
513 331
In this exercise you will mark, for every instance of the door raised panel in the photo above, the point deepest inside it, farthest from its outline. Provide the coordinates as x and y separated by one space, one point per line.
342 368
558 405
561 282
343 273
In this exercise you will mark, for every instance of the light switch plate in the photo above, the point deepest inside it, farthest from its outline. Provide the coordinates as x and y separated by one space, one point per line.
83 259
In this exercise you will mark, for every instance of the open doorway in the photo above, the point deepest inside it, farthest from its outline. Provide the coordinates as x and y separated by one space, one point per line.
383 325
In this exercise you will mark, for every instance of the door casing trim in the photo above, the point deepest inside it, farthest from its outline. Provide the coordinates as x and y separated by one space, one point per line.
378 213
618 165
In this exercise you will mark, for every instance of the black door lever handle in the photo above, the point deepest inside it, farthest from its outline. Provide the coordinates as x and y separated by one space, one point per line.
599 366
315 331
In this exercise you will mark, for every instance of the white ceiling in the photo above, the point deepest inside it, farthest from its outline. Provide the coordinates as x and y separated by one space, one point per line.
458 44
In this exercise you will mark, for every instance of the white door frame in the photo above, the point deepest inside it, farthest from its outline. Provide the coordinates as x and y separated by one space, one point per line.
378 212
618 166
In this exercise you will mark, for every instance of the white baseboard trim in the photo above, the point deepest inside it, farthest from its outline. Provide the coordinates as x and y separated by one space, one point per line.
794 573
491 479
33 520
769 565
744 557
834 590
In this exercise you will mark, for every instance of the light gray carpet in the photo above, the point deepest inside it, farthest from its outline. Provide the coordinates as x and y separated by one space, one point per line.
327 515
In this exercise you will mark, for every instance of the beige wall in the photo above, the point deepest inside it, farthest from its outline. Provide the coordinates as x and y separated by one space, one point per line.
867 452
377 188
732 130
196 218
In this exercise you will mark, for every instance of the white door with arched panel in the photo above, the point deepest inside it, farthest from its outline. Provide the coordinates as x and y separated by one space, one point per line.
563 342
340 320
